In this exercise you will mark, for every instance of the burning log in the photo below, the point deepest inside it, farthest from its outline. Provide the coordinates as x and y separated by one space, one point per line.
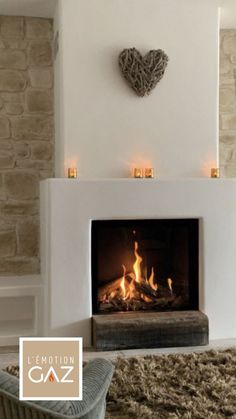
108 288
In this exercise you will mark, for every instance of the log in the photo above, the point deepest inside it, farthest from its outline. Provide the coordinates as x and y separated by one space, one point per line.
149 330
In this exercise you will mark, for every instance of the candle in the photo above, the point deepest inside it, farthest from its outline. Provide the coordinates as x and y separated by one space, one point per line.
138 173
72 173
215 172
149 173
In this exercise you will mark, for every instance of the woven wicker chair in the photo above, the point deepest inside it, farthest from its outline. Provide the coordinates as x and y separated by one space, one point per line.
97 376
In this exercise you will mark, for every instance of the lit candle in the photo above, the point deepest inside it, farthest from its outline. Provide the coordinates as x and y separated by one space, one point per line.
149 173
138 173
215 172
72 173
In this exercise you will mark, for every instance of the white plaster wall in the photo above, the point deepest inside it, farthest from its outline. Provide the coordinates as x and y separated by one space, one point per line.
107 128
67 208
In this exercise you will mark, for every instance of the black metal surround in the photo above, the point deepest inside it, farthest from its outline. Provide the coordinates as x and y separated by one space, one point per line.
170 245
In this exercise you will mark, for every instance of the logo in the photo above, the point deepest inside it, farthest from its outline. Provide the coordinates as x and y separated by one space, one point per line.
50 368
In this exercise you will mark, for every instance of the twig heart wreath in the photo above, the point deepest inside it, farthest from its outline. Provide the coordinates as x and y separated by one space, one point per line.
143 72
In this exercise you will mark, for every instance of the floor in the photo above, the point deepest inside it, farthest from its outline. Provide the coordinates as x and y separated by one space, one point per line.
10 355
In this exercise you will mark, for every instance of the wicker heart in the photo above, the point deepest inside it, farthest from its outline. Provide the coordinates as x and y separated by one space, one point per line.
143 73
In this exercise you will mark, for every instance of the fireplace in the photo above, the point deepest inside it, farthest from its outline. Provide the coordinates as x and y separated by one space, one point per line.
145 265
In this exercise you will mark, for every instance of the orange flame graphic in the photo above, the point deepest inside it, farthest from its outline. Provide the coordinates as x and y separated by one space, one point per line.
51 378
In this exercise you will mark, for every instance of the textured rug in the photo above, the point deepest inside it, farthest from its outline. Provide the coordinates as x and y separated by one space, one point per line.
186 386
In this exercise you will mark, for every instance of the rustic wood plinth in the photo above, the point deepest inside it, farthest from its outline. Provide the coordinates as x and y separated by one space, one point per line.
149 330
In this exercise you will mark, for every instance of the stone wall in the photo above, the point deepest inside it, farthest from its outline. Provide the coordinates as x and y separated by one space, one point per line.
26 137
228 102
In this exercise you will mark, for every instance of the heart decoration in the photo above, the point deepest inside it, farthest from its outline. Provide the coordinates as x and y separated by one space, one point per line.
143 73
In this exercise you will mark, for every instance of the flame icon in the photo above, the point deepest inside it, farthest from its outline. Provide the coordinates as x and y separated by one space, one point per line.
51 378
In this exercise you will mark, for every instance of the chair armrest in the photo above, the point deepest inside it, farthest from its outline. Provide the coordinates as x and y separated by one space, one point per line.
97 376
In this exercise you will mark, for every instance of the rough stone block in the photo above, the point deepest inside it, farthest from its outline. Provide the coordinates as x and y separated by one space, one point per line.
34 164
17 44
12 81
38 28
28 238
229 170
7 160
5 145
22 150
13 59
42 78
19 266
7 243
4 127
41 150
40 54
12 27
13 97
229 42
14 108
21 185
227 154
227 99
2 189
225 66
228 122
32 128
20 208
46 174
228 139
39 101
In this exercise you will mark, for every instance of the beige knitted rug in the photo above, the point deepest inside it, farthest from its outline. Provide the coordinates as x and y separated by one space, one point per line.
190 386
198 385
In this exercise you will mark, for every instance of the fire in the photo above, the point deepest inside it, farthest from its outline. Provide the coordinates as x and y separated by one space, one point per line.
128 289
151 281
135 286
137 264
51 378
169 281
122 284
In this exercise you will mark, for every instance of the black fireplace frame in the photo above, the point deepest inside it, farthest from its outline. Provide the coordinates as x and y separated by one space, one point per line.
193 228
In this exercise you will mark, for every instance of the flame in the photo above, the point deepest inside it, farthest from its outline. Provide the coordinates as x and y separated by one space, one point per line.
51 378
151 281
170 282
137 264
131 285
122 284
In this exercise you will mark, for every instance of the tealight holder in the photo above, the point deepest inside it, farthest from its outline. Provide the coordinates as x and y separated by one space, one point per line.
215 172
72 173
138 173
149 173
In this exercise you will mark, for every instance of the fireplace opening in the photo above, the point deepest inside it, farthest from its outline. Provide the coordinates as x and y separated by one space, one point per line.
144 265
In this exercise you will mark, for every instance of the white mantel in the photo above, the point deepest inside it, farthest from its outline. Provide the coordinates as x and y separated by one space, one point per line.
67 208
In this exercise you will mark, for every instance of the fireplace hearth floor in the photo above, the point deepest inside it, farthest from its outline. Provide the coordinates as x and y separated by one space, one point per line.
137 330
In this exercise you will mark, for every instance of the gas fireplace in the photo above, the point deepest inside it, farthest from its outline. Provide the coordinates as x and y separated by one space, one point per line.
144 265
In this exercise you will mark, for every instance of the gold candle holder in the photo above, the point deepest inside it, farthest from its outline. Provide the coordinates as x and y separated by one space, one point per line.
149 173
215 172
72 173
138 173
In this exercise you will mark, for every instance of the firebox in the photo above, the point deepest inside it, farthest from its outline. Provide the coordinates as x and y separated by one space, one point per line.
145 265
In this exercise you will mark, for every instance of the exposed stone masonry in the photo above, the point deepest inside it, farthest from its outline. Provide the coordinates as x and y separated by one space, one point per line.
228 102
26 137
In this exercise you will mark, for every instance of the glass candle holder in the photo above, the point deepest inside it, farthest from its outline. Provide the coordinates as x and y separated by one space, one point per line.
138 173
215 172
72 173
149 173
